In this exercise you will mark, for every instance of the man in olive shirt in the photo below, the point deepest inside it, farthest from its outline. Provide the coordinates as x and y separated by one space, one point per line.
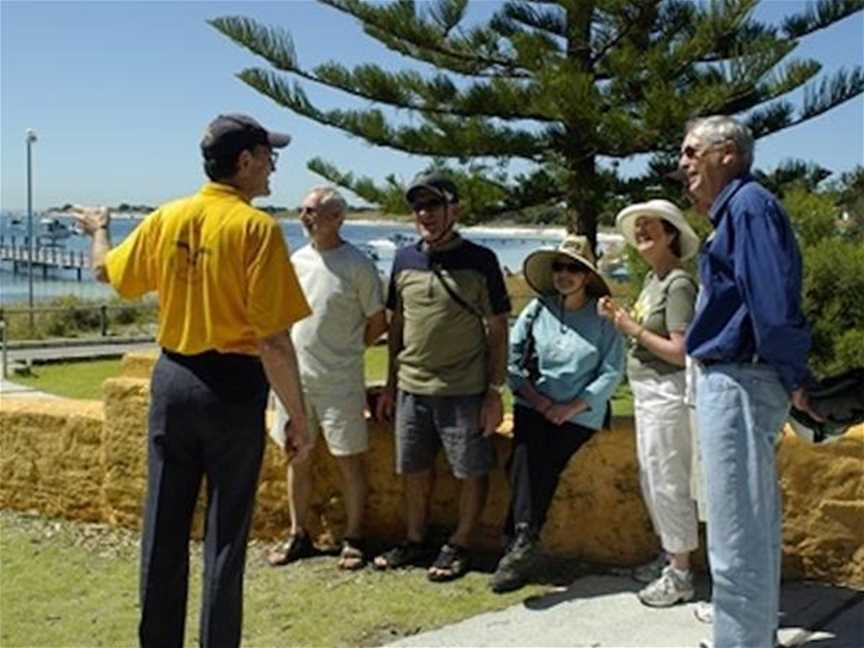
228 296
448 355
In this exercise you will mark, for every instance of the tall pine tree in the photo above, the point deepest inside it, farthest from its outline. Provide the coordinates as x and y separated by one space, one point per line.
559 84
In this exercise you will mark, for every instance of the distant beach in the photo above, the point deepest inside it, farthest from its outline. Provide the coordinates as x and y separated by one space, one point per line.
378 238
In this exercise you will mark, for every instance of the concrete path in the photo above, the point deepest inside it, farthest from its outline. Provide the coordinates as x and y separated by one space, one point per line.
75 349
10 389
602 611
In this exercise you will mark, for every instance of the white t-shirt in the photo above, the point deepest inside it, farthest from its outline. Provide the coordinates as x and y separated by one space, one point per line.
343 288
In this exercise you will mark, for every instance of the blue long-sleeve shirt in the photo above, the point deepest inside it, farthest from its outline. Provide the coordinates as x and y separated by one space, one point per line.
750 276
580 354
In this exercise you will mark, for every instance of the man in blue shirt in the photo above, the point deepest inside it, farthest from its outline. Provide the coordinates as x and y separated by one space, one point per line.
751 340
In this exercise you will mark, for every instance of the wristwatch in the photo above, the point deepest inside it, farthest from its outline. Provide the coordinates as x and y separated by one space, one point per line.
497 387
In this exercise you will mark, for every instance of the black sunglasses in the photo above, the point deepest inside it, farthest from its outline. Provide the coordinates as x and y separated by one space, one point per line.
428 205
568 266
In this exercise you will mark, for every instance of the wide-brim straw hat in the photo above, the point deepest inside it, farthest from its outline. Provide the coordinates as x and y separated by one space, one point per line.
538 266
627 217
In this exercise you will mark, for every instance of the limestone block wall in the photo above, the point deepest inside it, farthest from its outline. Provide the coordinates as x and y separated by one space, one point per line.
51 457
87 460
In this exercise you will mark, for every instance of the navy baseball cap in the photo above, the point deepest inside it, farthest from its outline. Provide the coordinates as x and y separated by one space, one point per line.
236 132
436 183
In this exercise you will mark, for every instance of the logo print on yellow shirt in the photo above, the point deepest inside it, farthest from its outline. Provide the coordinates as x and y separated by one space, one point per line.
188 262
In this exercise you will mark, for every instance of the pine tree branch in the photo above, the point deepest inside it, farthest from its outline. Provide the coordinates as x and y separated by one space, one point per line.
405 90
550 21
820 15
830 93
271 43
449 137
390 197
397 26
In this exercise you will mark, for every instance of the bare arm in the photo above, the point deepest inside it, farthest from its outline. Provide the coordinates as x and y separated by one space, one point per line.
95 222
376 325
671 349
394 346
387 400
280 365
496 349
492 412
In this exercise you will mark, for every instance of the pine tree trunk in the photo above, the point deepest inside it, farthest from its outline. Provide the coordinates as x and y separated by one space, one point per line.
582 201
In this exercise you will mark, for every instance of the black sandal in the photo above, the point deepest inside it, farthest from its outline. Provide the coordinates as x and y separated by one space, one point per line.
352 556
452 563
295 547
407 554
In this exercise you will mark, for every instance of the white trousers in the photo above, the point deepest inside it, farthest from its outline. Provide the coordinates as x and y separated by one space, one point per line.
664 450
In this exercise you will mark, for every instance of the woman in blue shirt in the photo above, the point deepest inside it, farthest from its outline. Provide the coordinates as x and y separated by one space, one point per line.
564 364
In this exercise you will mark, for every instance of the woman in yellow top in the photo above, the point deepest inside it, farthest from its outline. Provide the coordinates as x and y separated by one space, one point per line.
655 369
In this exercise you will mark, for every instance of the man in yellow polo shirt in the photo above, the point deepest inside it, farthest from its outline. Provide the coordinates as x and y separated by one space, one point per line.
228 296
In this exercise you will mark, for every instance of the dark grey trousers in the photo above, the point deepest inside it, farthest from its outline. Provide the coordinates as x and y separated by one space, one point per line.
206 419
541 452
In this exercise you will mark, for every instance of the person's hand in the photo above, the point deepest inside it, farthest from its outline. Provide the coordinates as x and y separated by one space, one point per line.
91 219
801 401
491 413
606 307
386 403
560 413
298 445
542 404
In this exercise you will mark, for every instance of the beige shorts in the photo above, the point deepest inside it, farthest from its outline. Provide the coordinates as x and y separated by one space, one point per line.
341 418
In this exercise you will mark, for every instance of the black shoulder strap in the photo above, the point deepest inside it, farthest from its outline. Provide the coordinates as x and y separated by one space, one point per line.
436 268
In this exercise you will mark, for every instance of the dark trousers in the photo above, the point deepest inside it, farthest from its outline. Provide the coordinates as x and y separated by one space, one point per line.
541 451
206 419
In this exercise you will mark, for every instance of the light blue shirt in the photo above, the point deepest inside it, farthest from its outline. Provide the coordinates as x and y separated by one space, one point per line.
580 354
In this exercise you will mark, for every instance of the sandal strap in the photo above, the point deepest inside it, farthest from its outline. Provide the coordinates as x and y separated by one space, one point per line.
449 555
404 554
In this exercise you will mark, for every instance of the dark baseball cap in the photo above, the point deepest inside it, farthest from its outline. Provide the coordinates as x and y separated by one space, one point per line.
236 132
436 183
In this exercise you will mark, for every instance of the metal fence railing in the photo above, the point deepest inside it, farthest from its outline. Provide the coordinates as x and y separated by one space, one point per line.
104 311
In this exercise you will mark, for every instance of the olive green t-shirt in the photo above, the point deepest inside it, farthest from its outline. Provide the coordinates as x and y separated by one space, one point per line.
444 343
665 306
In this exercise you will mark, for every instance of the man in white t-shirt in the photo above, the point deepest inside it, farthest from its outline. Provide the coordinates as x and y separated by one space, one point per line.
344 290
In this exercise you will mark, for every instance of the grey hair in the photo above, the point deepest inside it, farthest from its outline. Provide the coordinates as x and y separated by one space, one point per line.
330 200
717 129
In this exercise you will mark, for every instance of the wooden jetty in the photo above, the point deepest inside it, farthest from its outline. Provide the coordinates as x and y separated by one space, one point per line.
45 257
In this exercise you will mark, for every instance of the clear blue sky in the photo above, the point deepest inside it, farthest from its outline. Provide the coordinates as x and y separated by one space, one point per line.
119 94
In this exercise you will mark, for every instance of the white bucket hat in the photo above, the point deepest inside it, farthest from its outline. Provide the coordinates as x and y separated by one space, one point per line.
537 268
626 224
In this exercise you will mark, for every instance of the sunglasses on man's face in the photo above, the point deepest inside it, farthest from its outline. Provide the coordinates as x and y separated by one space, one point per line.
692 152
430 204
567 266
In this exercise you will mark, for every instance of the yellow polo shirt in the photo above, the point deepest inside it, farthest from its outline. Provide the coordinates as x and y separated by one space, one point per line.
221 268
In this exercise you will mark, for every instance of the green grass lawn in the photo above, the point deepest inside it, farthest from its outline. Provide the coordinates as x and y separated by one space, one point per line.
84 379
71 584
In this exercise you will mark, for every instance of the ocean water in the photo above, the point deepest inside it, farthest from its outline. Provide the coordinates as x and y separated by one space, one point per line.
378 239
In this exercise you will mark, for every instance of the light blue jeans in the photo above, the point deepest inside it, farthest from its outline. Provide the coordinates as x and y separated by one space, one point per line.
740 410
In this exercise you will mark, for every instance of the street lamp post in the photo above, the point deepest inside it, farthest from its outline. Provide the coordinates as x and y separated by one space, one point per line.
31 138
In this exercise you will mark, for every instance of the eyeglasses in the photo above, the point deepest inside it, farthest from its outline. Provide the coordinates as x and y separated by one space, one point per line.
692 152
307 210
427 205
565 266
274 157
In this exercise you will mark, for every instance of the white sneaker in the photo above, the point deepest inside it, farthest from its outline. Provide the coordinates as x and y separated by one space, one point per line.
650 571
704 612
669 589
